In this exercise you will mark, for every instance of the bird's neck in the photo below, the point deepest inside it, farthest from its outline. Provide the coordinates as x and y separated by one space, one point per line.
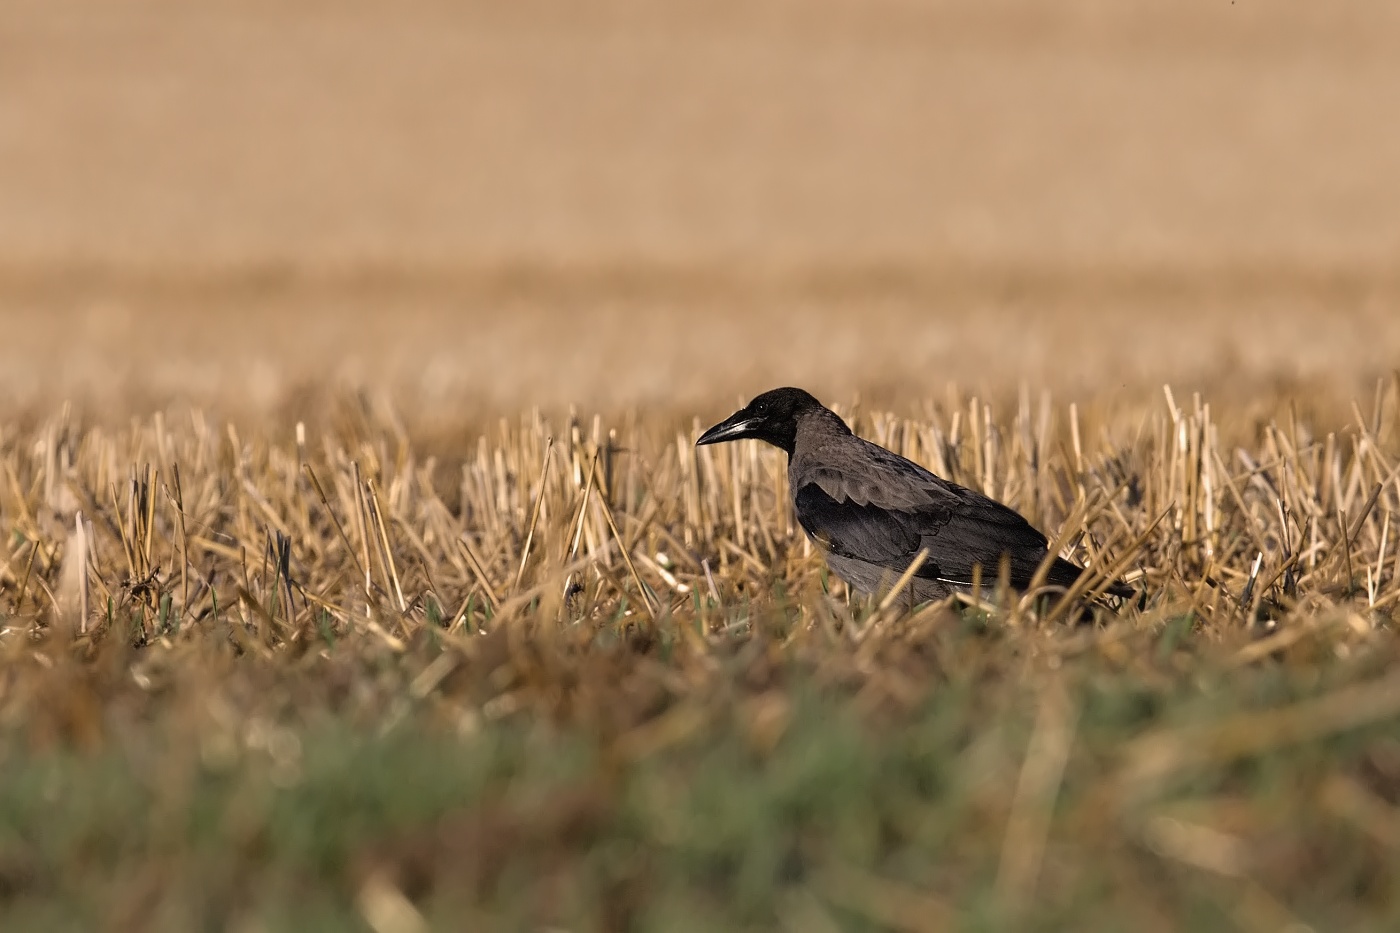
814 429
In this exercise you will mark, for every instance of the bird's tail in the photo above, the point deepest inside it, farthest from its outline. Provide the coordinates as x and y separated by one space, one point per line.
1063 573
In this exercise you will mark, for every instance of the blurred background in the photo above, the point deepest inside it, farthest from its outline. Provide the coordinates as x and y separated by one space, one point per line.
657 204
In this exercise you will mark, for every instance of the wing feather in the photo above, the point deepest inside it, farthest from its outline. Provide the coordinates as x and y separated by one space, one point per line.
886 508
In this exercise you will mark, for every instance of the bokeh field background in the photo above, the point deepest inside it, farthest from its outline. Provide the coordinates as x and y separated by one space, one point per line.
358 571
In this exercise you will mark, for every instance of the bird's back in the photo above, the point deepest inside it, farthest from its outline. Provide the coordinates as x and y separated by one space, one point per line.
874 510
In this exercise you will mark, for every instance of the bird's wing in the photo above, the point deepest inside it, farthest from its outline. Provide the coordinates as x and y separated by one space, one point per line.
884 509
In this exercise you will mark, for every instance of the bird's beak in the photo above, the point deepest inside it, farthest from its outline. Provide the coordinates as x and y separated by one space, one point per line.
738 425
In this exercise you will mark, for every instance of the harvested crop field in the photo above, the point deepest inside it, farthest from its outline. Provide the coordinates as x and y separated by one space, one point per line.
581 674
360 572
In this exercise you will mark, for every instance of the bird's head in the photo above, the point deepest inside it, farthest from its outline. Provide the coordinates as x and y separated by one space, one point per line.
771 417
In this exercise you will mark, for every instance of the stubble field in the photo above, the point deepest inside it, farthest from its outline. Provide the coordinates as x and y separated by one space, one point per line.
359 571
579 674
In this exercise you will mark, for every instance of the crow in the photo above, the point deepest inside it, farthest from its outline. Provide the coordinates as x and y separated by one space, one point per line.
872 511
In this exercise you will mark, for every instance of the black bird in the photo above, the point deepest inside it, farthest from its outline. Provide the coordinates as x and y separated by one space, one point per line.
872 510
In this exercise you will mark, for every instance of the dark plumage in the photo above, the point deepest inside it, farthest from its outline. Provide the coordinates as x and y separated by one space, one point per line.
872 510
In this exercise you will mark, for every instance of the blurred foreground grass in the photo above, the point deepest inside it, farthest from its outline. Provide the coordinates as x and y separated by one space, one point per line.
588 678
959 776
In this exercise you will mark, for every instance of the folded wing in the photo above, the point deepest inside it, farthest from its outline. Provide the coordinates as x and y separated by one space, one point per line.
887 509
